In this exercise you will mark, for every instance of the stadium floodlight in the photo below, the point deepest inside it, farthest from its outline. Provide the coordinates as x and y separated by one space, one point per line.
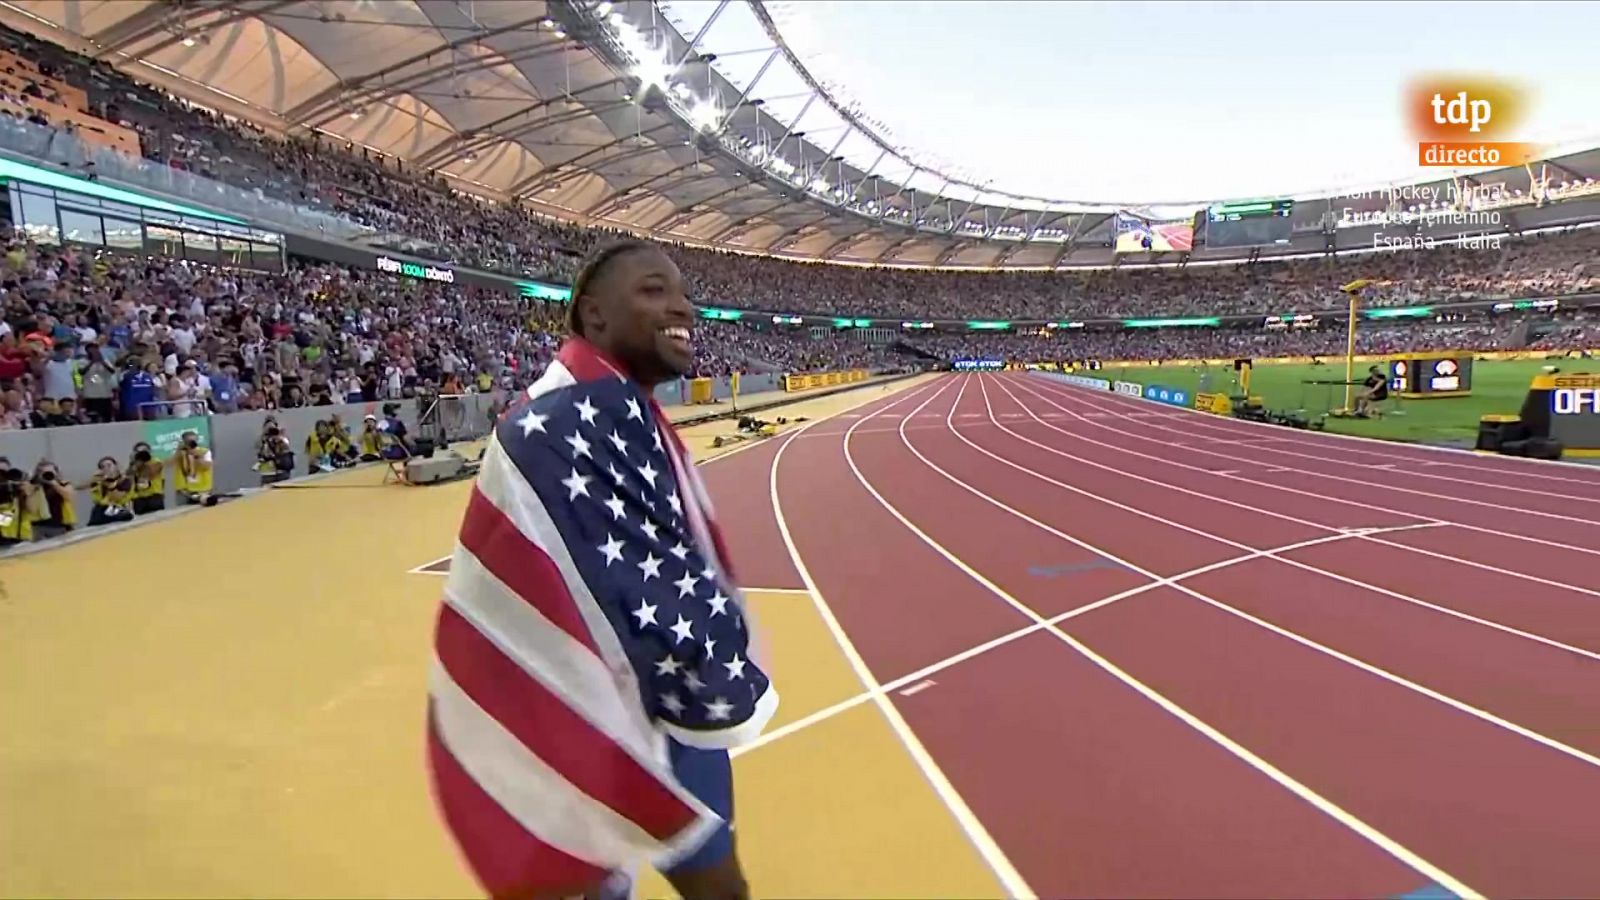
652 73
547 23
617 18
821 185
602 8
705 116
681 91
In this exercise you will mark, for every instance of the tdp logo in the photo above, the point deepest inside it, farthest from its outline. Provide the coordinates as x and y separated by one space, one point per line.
1462 111
1467 121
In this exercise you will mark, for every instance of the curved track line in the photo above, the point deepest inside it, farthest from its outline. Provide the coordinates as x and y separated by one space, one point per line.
1430 693
1329 475
1010 879
1079 394
1385 843
1406 598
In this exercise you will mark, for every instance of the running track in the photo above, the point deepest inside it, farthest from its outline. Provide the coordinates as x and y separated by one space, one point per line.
1142 651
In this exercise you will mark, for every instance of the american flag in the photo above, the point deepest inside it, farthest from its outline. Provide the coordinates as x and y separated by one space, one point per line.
589 616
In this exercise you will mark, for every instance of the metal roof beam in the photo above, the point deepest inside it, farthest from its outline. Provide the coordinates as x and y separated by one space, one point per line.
745 94
689 49
697 208
153 18
790 234
488 128
549 178
719 236
622 192
893 246
552 171
514 135
342 89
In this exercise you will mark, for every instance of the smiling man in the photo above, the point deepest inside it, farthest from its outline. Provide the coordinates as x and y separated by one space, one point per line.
593 656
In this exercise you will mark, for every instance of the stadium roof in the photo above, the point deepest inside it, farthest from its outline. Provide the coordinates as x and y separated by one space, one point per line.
623 113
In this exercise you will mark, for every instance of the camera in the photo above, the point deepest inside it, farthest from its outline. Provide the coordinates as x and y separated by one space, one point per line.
191 443
142 456
47 477
272 432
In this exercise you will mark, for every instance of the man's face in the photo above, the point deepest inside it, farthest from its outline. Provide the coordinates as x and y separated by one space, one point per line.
640 315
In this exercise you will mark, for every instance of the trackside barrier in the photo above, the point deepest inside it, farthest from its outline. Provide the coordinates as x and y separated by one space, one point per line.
1093 384
792 383
1171 396
1129 388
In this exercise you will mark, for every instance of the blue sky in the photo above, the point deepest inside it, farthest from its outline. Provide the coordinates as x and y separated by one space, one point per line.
1151 102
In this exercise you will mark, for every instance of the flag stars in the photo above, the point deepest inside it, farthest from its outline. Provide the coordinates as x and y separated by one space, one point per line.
612 549
669 665
735 667
651 567
646 614
719 604
680 551
580 447
633 409
616 506
531 422
650 528
692 681
684 629
648 473
577 485
686 585
711 648
675 503
617 441
656 436
586 411
718 710
616 477
672 703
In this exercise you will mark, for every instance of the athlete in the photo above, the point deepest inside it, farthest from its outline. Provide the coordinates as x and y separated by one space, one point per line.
572 745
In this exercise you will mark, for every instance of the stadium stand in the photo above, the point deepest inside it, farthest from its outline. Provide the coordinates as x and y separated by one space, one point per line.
418 212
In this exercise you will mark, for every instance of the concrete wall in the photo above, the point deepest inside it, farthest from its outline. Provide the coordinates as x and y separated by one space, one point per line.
76 450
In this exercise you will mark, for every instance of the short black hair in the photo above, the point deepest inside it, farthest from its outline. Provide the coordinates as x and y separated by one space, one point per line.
593 268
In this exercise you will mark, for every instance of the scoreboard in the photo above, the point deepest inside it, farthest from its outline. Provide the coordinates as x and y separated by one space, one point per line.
1572 406
1431 375
1249 224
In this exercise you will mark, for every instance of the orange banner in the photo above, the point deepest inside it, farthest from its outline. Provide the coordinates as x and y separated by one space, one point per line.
1472 154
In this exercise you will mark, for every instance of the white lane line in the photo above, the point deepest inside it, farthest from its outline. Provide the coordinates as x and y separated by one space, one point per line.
1208 427
761 590
1358 532
918 688
1430 693
1075 394
935 668
1385 843
1011 881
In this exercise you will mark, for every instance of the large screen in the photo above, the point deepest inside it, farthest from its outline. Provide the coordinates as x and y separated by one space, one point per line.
1252 224
1136 235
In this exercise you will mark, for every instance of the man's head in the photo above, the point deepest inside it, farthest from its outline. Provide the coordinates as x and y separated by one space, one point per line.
629 301
1375 370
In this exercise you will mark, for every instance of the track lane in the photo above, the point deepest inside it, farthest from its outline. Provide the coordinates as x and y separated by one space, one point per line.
1555 551
1405 742
1448 578
887 590
1573 480
1376 486
745 515
1098 783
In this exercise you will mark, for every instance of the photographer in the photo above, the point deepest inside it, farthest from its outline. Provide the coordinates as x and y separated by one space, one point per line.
191 464
16 510
274 456
53 512
111 492
371 440
149 480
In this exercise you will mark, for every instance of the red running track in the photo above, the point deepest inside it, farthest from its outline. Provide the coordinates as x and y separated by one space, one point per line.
1269 669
